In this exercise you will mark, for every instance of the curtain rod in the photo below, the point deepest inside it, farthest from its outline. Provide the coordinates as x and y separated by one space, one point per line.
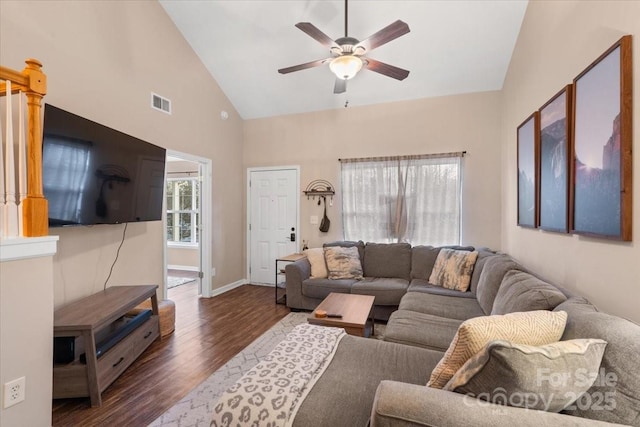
408 157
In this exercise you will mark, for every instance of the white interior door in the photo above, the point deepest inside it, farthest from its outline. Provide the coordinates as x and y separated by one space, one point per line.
273 220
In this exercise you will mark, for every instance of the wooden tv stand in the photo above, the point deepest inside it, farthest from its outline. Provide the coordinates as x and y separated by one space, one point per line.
87 317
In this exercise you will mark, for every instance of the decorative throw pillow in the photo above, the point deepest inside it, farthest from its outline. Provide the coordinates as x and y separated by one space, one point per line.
453 269
545 378
531 327
343 263
317 262
521 291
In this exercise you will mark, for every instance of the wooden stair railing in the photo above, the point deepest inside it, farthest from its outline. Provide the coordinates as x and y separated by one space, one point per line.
33 82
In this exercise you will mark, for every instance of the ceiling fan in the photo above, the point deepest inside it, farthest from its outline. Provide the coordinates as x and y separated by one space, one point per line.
348 53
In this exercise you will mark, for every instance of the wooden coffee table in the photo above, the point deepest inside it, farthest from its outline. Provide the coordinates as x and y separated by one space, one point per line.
355 310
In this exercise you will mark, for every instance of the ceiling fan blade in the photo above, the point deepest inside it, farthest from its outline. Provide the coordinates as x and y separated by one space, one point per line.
314 32
340 86
303 66
385 35
386 69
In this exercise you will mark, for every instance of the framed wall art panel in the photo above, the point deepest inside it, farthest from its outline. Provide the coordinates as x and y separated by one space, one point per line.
601 176
554 153
527 167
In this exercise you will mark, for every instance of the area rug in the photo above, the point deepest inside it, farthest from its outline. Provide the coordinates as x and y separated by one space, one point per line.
195 409
173 281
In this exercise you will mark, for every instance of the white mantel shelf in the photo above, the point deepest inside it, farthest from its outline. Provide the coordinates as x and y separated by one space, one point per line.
27 247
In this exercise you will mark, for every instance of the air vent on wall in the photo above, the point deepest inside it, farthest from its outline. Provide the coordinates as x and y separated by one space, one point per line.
160 103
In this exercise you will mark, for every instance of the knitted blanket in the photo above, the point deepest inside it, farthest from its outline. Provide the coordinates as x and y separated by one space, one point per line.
271 393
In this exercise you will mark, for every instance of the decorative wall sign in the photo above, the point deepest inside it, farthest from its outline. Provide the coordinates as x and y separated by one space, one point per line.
601 199
553 172
527 182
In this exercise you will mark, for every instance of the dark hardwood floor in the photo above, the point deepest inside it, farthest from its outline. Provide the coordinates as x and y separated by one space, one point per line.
208 333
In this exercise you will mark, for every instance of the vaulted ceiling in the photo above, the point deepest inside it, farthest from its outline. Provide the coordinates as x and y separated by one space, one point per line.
455 46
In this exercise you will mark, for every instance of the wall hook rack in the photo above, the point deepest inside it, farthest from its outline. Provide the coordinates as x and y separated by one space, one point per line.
320 188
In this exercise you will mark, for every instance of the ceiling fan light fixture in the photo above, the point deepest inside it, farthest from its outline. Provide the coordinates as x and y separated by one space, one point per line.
345 67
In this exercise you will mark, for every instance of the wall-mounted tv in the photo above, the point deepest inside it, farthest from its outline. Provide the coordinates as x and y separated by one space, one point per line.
93 174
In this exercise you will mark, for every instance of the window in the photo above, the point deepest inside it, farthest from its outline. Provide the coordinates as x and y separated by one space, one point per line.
183 202
414 199
70 159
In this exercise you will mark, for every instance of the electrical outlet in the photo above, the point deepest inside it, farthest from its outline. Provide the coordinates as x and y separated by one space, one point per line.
14 392
213 272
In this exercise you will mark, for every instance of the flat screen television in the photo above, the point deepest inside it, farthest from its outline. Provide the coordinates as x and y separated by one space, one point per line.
93 174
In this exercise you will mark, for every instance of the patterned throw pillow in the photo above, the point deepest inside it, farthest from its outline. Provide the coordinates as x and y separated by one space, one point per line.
545 378
343 263
453 269
318 264
531 327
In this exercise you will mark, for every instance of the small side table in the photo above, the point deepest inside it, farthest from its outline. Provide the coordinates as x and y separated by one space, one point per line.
281 282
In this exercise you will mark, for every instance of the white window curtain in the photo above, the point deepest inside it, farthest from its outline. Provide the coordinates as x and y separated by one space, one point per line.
413 199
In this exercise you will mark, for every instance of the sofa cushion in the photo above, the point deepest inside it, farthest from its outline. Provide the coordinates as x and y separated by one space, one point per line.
343 263
491 277
441 305
321 288
348 244
483 255
453 269
387 260
343 395
531 327
423 259
619 380
545 378
386 290
522 291
317 262
421 285
421 330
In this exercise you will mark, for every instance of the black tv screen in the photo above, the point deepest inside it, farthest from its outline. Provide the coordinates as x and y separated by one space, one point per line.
93 174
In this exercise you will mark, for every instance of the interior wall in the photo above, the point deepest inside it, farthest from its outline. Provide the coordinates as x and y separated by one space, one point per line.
26 338
103 59
558 40
315 142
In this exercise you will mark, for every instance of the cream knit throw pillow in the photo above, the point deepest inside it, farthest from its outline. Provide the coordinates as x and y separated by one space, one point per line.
531 328
318 264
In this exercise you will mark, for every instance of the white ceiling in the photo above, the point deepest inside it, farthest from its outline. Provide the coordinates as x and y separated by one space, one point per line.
453 47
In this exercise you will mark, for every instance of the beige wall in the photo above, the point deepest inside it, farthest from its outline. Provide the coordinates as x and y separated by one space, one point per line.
26 338
103 59
316 141
557 41
183 257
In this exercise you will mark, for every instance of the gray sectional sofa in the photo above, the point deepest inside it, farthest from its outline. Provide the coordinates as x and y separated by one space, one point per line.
390 271
383 382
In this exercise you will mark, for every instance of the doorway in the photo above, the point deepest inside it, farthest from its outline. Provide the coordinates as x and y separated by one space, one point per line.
273 219
187 223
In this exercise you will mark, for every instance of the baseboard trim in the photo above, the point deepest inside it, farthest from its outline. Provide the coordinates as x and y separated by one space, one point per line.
269 285
226 288
182 267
